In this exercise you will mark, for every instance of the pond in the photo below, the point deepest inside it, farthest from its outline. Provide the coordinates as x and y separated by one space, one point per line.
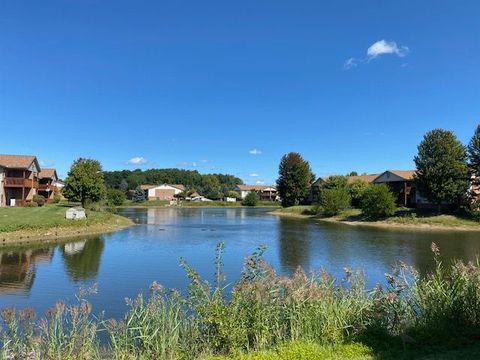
125 263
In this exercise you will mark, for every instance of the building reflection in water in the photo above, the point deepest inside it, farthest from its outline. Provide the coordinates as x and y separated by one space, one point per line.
82 258
18 268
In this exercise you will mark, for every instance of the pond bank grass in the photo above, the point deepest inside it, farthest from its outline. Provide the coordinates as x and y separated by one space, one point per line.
267 316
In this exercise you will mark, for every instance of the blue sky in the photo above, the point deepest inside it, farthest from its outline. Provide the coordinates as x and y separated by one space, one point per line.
352 85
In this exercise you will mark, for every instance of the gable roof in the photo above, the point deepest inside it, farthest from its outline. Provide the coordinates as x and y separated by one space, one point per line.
48 173
255 187
403 174
368 178
176 186
18 161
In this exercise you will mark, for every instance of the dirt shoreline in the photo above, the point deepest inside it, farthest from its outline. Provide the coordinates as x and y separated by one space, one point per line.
383 224
55 234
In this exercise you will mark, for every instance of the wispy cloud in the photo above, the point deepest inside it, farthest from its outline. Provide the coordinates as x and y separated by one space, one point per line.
253 175
255 152
381 47
137 160
259 182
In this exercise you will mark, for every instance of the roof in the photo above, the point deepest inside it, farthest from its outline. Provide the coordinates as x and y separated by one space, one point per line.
404 174
48 173
176 186
254 187
18 161
367 178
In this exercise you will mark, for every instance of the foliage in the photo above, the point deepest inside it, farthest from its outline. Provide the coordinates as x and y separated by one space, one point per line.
84 181
138 195
335 182
442 174
115 197
295 179
357 189
31 204
334 200
378 202
251 199
352 173
191 179
473 151
57 198
39 199
272 317
233 194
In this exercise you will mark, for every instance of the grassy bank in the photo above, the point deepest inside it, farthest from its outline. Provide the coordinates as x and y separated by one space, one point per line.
21 224
266 316
403 218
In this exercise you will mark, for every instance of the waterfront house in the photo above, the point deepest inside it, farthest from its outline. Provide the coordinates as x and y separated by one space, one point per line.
402 185
264 192
47 180
18 179
162 192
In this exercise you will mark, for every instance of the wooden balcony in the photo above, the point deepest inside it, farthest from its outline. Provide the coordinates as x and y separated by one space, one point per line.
45 187
14 182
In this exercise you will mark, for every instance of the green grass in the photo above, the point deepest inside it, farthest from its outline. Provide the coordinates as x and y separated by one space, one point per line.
402 216
46 217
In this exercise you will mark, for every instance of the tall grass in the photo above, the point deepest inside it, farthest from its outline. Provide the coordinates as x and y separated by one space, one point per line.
262 310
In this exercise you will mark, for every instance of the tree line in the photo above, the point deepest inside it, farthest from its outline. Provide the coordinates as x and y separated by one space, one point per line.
447 173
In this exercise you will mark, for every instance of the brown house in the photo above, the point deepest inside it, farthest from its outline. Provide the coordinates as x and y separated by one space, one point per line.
47 179
401 184
18 179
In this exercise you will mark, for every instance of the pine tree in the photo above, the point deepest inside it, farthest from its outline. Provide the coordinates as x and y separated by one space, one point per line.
138 195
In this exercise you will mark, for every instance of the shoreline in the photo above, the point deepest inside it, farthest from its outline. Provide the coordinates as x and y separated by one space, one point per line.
59 233
382 224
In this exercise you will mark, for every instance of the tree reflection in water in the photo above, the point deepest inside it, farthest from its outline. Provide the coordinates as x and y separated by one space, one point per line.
82 258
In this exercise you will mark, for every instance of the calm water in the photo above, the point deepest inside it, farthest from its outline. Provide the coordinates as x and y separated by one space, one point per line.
127 262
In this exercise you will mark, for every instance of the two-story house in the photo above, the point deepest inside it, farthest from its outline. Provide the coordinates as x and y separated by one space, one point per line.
18 179
47 180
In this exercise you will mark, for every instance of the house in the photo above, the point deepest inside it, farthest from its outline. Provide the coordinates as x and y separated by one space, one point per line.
18 179
162 192
317 185
401 184
264 192
47 180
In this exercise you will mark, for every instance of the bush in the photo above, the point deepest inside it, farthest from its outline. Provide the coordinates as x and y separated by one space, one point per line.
233 194
378 202
115 197
138 195
357 189
56 198
31 204
334 200
251 199
39 199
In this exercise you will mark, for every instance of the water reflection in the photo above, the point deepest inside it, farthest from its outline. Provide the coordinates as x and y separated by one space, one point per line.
294 243
82 258
18 269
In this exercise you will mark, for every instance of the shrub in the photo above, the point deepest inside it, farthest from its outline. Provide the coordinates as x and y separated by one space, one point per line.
138 195
251 199
233 194
378 202
357 189
115 197
31 204
39 199
56 198
334 200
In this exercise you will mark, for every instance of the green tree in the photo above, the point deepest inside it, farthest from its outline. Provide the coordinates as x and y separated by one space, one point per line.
357 189
115 197
123 186
233 194
378 202
335 182
84 181
442 174
352 173
473 151
251 199
295 179
334 200
138 195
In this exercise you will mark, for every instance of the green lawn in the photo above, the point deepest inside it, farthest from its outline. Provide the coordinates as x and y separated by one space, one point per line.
354 351
48 216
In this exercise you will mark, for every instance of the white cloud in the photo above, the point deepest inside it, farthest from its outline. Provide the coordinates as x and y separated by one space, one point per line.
255 152
194 164
381 47
137 160
260 182
253 175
